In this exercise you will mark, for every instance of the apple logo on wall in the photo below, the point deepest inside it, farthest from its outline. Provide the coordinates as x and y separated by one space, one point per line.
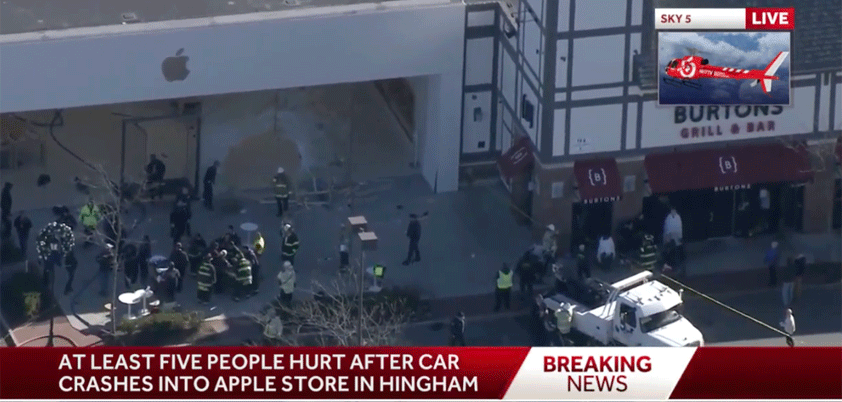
174 68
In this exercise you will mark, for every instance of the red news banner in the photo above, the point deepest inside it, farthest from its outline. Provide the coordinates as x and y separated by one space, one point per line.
421 373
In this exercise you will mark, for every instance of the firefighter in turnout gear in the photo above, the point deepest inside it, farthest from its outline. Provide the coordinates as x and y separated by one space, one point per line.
503 292
281 185
89 216
206 279
289 247
245 281
648 254
564 323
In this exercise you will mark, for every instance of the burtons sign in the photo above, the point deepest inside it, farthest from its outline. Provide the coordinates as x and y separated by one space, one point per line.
755 120
669 126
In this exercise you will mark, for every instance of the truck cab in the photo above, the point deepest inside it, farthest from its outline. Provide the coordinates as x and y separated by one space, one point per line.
649 315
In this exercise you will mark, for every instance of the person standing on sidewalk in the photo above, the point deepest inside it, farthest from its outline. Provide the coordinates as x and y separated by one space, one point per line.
205 280
144 253
281 185
209 181
527 272
647 257
289 247
105 259
457 330
503 292
673 228
196 252
23 225
286 284
180 261
605 252
70 264
583 264
788 279
771 261
413 232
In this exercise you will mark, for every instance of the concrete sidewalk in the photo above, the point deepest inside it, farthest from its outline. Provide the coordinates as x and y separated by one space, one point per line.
467 236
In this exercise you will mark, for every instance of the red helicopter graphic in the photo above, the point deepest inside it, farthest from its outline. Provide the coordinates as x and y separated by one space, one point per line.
693 67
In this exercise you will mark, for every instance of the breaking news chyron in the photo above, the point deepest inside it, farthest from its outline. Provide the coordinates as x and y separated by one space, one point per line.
515 373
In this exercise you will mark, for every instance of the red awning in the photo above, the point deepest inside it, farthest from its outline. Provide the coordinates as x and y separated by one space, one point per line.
517 159
598 180
727 168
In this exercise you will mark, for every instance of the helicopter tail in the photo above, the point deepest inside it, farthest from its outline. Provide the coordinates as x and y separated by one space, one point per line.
770 71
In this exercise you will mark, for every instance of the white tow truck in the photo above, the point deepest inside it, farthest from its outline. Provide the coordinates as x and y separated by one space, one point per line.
635 311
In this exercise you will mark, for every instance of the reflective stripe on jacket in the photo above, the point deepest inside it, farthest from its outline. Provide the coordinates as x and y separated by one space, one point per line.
281 186
244 271
206 276
648 256
290 246
504 280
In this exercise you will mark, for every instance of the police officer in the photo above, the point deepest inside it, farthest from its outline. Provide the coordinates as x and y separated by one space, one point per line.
244 278
503 293
648 253
564 323
281 184
206 279
379 272
289 247
89 216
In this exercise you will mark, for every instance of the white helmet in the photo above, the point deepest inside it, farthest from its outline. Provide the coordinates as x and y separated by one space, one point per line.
280 170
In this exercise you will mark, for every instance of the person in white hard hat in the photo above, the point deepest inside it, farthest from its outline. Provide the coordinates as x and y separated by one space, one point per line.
281 185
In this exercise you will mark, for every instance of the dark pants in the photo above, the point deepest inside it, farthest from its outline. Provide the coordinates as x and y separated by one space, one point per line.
607 261
285 299
457 339
283 204
195 262
203 295
131 271
24 240
584 271
526 287
207 195
255 276
241 290
178 232
290 258
414 254
71 273
143 270
503 298
773 275
182 270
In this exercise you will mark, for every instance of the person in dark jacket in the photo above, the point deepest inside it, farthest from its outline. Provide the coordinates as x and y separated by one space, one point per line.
413 232
180 261
196 252
105 260
6 202
144 253
527 273
583 263
155 172
178 224
457 330
209 181
70 264
23 225
130 266
184 203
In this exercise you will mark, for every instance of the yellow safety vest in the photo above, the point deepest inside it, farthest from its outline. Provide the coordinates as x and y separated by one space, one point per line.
89 215
259 244
504 281
563 320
